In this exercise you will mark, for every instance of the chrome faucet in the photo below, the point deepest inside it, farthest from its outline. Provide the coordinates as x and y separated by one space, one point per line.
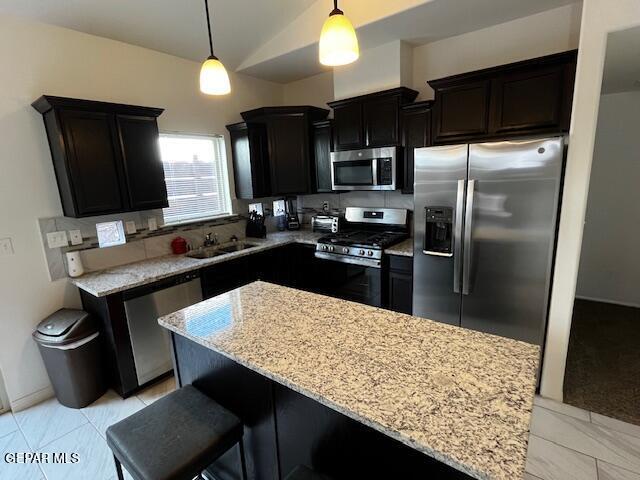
209 241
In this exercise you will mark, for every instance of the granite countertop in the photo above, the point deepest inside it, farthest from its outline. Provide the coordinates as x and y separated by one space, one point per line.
404 249
459 396
125 277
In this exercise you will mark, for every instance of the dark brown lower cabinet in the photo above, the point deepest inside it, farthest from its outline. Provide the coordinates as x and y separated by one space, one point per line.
400 284
284 428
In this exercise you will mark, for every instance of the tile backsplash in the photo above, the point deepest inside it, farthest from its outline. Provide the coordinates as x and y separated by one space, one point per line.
149 244
142 245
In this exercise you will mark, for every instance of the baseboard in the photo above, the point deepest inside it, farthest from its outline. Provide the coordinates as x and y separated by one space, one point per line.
32 399
605 300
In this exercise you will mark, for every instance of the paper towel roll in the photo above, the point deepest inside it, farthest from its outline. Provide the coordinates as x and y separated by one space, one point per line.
74 264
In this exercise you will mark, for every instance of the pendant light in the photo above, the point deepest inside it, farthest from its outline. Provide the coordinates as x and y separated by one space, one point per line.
338 41
214 79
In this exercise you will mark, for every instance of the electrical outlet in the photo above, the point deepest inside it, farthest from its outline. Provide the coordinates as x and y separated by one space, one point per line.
130 227
325 206
57 239
6 247
76 237
153 224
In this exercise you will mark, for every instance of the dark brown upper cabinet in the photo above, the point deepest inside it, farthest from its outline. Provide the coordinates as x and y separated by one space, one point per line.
250 153
105 155
289 160
322 144
416 133
524 98
371 120
348 131
144 173
462 110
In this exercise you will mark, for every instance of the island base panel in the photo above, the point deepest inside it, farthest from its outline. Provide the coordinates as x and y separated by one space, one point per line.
285 428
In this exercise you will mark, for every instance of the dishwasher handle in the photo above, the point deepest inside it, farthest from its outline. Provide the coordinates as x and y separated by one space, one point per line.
160 285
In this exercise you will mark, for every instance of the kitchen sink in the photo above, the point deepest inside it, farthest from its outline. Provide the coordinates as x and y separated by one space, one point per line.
216 251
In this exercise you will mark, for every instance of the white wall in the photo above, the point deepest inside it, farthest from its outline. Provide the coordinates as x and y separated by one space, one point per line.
379 68
599 17
316 90
610 259
537 35
39 59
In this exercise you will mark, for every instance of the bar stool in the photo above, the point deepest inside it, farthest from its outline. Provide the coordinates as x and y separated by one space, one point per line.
175 438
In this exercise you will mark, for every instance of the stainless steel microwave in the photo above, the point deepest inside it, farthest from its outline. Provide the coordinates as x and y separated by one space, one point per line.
369 169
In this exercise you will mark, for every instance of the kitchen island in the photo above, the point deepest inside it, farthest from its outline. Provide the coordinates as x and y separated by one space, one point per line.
356 391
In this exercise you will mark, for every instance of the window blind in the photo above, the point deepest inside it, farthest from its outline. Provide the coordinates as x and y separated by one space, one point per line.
196 177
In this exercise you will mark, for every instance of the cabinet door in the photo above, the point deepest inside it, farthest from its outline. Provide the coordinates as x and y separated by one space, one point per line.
142 165
461 111
322 150
528 101
347 126
416 133
288 154
400 284
381 122
249 150
93 165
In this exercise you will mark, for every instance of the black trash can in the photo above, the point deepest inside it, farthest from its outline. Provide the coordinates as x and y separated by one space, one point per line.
71 350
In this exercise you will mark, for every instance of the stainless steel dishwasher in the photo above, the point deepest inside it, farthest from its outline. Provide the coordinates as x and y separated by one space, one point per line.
143 306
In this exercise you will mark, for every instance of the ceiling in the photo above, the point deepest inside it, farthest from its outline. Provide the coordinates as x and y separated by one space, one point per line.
177 27
622 62
271 39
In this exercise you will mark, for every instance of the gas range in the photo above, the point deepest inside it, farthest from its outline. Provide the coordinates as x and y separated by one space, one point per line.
368 232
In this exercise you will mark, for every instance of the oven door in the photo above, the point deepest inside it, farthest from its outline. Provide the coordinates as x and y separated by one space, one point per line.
357 283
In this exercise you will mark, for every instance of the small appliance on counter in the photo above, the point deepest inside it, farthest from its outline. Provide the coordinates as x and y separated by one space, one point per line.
293 222
179 246
325 223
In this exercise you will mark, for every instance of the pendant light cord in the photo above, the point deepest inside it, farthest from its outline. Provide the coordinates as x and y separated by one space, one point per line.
336 10
206 7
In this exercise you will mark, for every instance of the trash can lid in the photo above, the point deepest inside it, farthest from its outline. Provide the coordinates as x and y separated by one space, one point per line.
64 326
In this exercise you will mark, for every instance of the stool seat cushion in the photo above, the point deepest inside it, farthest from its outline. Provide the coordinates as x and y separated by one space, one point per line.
175 437
303 473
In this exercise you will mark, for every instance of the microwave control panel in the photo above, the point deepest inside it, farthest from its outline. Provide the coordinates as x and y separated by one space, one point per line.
385 171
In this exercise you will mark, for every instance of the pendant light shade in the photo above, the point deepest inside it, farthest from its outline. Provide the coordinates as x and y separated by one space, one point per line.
338 40
214 79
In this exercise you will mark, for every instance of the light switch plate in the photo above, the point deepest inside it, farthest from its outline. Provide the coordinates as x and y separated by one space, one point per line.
278 208
57 239
6 247
130 227
75 236
153 224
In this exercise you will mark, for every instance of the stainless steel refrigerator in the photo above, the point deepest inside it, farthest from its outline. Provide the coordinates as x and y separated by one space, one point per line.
485 228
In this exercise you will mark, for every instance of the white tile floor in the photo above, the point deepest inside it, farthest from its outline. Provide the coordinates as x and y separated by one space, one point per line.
566 443
50 427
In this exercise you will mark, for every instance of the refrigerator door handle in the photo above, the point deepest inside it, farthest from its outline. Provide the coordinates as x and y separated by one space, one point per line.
468 226
457 236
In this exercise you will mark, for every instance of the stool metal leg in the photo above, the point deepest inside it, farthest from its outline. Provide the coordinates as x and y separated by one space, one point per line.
243 464
118 468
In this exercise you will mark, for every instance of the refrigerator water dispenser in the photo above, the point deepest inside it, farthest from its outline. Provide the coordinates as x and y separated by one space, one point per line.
438 235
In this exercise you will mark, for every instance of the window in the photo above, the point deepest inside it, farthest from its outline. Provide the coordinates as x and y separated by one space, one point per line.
195 170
